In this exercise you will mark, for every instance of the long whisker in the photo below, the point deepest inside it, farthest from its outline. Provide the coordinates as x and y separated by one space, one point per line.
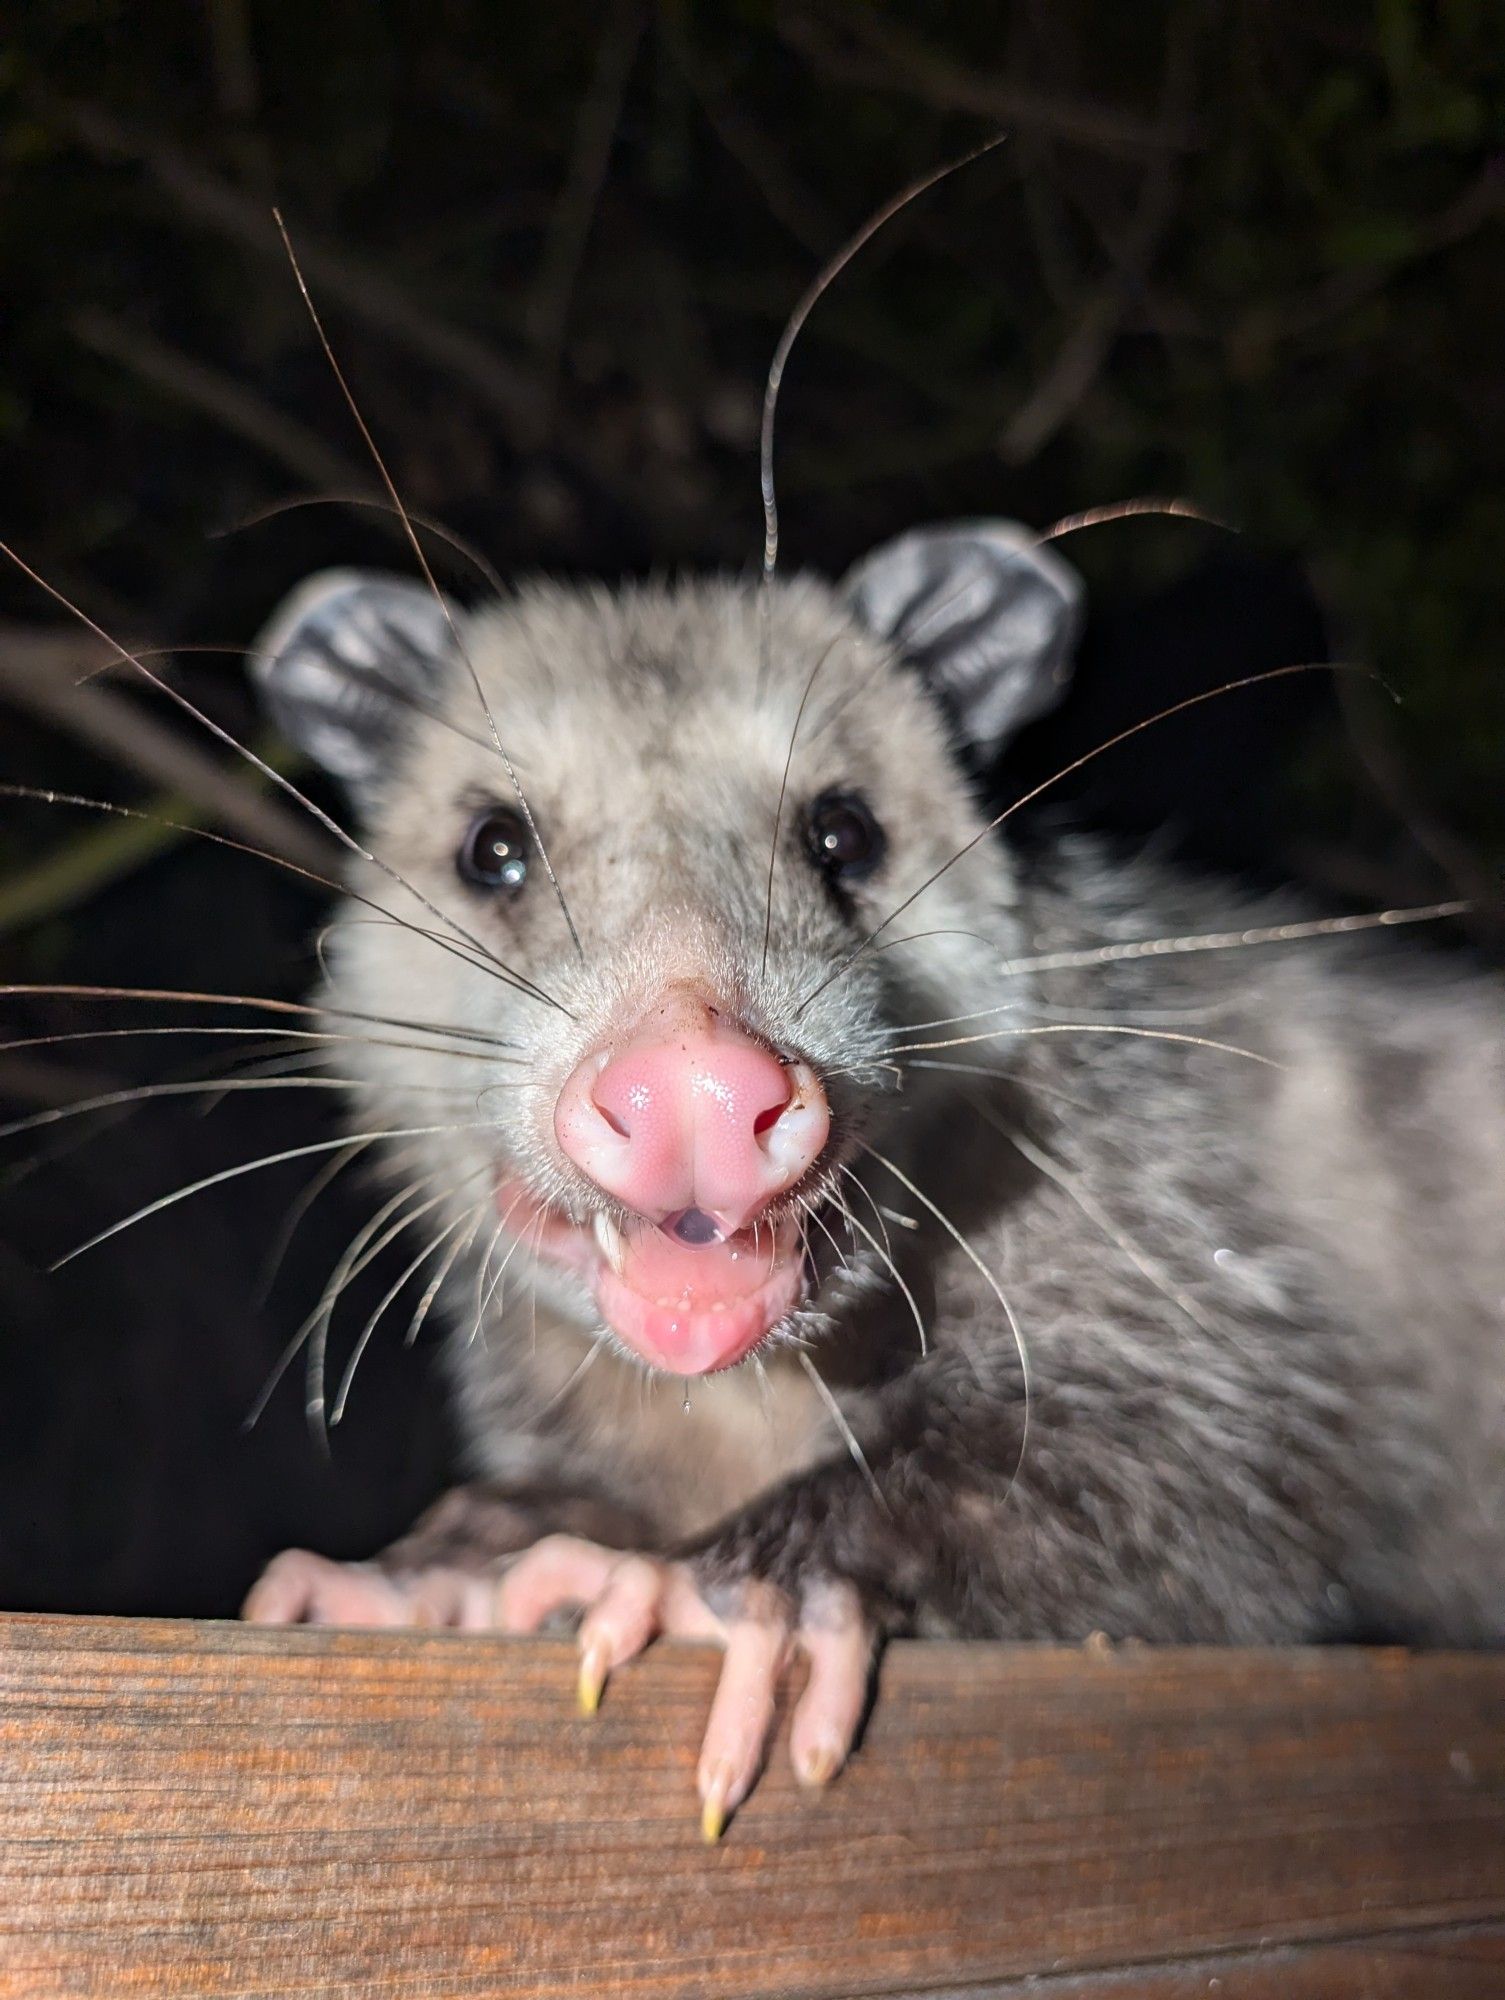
1212 1010
992 1283
1124 510
347 1378
819 285
848 1435
67 990
344 1268
501 1271
533 1249
275 1061
406 697
914 937
844 1209
342 1393
886 1254
1167 947
262 1037
485 1265
484 1300
1066 770
268 1037
592 1353
956 1020
491 965
324 1177
140 1093
778 811
1146 1265
813 1214
252 1166
363 1250
962 1069
428 575
436 1284
1089 1028
267 770
39 1156
484 569
765 1387
389 920
857 1181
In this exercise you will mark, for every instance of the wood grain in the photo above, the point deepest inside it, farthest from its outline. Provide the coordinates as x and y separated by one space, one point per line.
215 1810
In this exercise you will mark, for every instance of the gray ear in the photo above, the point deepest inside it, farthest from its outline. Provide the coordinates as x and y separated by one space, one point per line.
346 660
985 615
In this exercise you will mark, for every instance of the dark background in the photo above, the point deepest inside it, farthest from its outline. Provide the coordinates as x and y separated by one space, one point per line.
1248 255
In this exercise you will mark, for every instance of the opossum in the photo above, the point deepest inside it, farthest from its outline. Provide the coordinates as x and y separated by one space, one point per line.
850 1219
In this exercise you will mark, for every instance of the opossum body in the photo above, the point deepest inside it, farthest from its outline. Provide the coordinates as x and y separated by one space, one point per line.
827 1259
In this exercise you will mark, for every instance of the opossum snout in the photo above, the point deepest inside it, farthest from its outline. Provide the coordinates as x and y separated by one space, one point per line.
687 1113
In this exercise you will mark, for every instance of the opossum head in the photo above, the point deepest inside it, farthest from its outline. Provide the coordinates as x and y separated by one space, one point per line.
648 959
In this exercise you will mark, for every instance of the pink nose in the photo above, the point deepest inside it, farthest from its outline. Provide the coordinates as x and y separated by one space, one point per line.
690 1115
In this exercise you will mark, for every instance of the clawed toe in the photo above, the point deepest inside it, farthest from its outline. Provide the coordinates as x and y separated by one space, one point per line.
626 1601
300 1588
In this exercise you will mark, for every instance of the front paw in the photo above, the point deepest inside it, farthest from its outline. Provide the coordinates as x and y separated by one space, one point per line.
300 1588
628 1600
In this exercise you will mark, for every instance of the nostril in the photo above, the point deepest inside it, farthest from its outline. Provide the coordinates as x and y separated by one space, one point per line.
610 1118
766 1120
695 1128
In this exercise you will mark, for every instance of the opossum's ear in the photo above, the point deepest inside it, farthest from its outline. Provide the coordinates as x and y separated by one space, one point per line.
985 615
346 660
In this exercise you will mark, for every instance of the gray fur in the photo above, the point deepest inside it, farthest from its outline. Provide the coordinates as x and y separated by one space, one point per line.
1262 1306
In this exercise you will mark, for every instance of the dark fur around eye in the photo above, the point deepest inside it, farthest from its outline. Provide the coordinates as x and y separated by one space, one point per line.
494 853
842 837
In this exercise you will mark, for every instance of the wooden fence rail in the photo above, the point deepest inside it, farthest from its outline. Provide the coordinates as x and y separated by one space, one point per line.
214 1810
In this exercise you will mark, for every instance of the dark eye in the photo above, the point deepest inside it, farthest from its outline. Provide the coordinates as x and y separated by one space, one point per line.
843 837
494 852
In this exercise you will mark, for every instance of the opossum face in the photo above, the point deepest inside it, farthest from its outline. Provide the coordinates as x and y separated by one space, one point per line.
651 973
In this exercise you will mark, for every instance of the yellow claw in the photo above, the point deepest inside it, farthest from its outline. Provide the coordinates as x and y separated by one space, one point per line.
592 1677
714 1805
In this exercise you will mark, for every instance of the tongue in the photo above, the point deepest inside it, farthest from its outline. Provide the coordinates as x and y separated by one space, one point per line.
694 1308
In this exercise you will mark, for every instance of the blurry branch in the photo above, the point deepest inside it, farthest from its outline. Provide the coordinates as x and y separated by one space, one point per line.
38 671
1046 220
928 448
1467 872
1482 201
234 63
1085 352
807 219
237 89
847 325
1069 379
505 389
91 861
508 391
569 227
217 396
1265 327
898 61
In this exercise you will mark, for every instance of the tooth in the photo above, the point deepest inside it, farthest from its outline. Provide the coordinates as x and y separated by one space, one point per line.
609 1241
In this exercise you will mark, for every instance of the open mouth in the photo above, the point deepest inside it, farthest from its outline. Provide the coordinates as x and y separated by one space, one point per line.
682 1295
